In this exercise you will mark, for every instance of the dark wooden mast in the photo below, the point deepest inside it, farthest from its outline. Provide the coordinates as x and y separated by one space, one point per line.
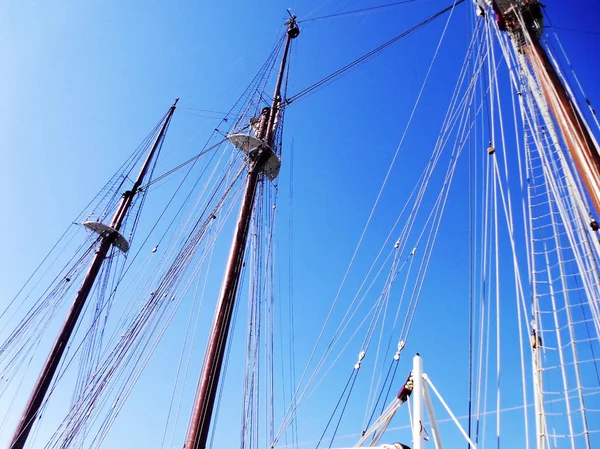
524 22
110 236
198 429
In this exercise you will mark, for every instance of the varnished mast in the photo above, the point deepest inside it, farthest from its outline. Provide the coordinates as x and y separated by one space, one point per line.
110 236
200 420
524 21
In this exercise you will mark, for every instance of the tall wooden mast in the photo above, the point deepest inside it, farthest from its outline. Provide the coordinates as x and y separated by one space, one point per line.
524 21
110 236
260 159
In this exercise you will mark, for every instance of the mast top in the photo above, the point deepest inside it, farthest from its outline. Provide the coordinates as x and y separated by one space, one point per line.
293 29
510 13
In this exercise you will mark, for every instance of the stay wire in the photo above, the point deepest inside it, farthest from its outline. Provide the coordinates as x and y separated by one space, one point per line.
385 382
301 395
343 409
593 33
371 53
396 365
352 375
183 164
193 159
347 13
471 201
98 199
127 333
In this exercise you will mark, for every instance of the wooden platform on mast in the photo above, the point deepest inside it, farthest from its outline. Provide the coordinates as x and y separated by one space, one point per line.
251 145
102 229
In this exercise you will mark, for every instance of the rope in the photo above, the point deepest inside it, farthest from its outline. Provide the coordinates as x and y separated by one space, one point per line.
368 55
303 394
183 164
595 33
348 382
129 378
349 313
372 8
136 336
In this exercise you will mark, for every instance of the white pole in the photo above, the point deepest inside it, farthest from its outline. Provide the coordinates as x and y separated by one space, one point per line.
437 439
417 397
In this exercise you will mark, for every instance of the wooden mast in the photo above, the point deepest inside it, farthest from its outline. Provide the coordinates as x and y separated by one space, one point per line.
110 236
525 23
200 420
523 20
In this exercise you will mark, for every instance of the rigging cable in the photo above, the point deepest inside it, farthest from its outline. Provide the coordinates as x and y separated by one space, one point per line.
561 199
421 274
571 68
350 380
471 202
299 394
356 11
368 55
121 339
508 208
183 164
136 331
111 186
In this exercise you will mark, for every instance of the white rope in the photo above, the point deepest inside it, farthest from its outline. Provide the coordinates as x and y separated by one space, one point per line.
454 419
568 87
564 194
298 395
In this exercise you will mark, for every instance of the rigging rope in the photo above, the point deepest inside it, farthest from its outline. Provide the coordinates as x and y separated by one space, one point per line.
141 329
368 55
183 164
121 367
372 8
302 394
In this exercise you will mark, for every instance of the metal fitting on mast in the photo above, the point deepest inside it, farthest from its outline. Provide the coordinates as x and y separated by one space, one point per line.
293 29
511 16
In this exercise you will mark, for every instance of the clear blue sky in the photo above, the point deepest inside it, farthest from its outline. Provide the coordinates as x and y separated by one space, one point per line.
83 82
